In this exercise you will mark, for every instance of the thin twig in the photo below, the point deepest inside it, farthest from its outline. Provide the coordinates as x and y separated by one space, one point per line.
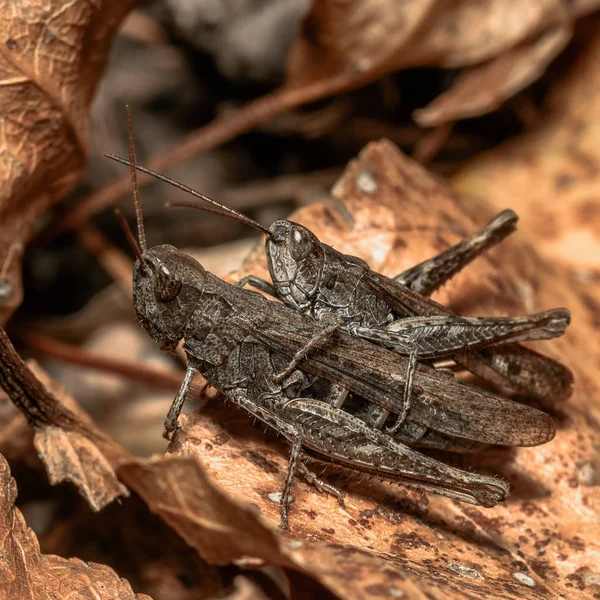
77 355
219 131
41 407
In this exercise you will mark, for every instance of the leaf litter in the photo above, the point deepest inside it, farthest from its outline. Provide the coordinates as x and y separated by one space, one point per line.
52 58
217 486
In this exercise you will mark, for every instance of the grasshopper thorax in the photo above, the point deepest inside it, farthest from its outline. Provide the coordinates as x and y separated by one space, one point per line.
167 286
295 259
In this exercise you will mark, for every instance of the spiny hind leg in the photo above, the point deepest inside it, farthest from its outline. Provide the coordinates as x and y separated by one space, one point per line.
289 479
428 276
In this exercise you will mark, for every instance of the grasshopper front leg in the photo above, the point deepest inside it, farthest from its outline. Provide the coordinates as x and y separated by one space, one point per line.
426 277
177 405
259 284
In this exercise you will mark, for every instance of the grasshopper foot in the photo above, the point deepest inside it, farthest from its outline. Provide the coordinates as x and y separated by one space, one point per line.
284 522
320 484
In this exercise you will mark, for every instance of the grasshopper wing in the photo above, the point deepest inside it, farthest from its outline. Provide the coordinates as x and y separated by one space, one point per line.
440 402
457 408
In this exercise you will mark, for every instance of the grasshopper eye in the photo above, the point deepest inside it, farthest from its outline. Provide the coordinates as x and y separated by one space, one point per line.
166 286
301 244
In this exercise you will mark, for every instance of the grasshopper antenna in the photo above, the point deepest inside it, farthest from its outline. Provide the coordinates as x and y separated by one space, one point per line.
224 211
134 182
140 248
209 209
130 237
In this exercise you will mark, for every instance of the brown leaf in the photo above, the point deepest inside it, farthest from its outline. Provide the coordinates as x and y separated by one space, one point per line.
552 174
178 490
353 39
483 88
225 530
69 444
69 456
345 45
393 214
360 42
26 573
52 57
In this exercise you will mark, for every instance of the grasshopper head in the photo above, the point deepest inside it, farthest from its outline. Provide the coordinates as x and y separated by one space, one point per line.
167 285
295 259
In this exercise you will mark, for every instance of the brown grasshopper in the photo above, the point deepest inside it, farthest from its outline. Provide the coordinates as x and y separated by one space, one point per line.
248 347
312 277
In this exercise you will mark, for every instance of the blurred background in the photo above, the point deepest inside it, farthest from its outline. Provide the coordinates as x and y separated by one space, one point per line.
451 84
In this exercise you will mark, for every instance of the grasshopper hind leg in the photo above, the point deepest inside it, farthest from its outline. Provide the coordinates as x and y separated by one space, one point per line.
289 479
345 440
428 276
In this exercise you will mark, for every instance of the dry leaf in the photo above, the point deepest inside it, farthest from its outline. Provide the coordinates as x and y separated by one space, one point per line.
360 42
26 573
68 442
225 530
69 456
542 541
53 54
551 176
178 490
485 87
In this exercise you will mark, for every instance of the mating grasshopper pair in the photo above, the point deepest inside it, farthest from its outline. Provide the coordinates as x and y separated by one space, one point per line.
294 371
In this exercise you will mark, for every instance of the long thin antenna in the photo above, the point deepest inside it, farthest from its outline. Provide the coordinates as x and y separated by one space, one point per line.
210 209
130 237
134 182
226 211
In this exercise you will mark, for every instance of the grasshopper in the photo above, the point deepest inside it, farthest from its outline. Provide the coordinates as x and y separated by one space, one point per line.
248 347
312 277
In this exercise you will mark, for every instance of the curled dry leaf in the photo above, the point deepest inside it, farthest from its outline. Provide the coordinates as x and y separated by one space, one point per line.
26 573
359 42
345 45
69 456
542 542
52 57
552 175
485 87
69 444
